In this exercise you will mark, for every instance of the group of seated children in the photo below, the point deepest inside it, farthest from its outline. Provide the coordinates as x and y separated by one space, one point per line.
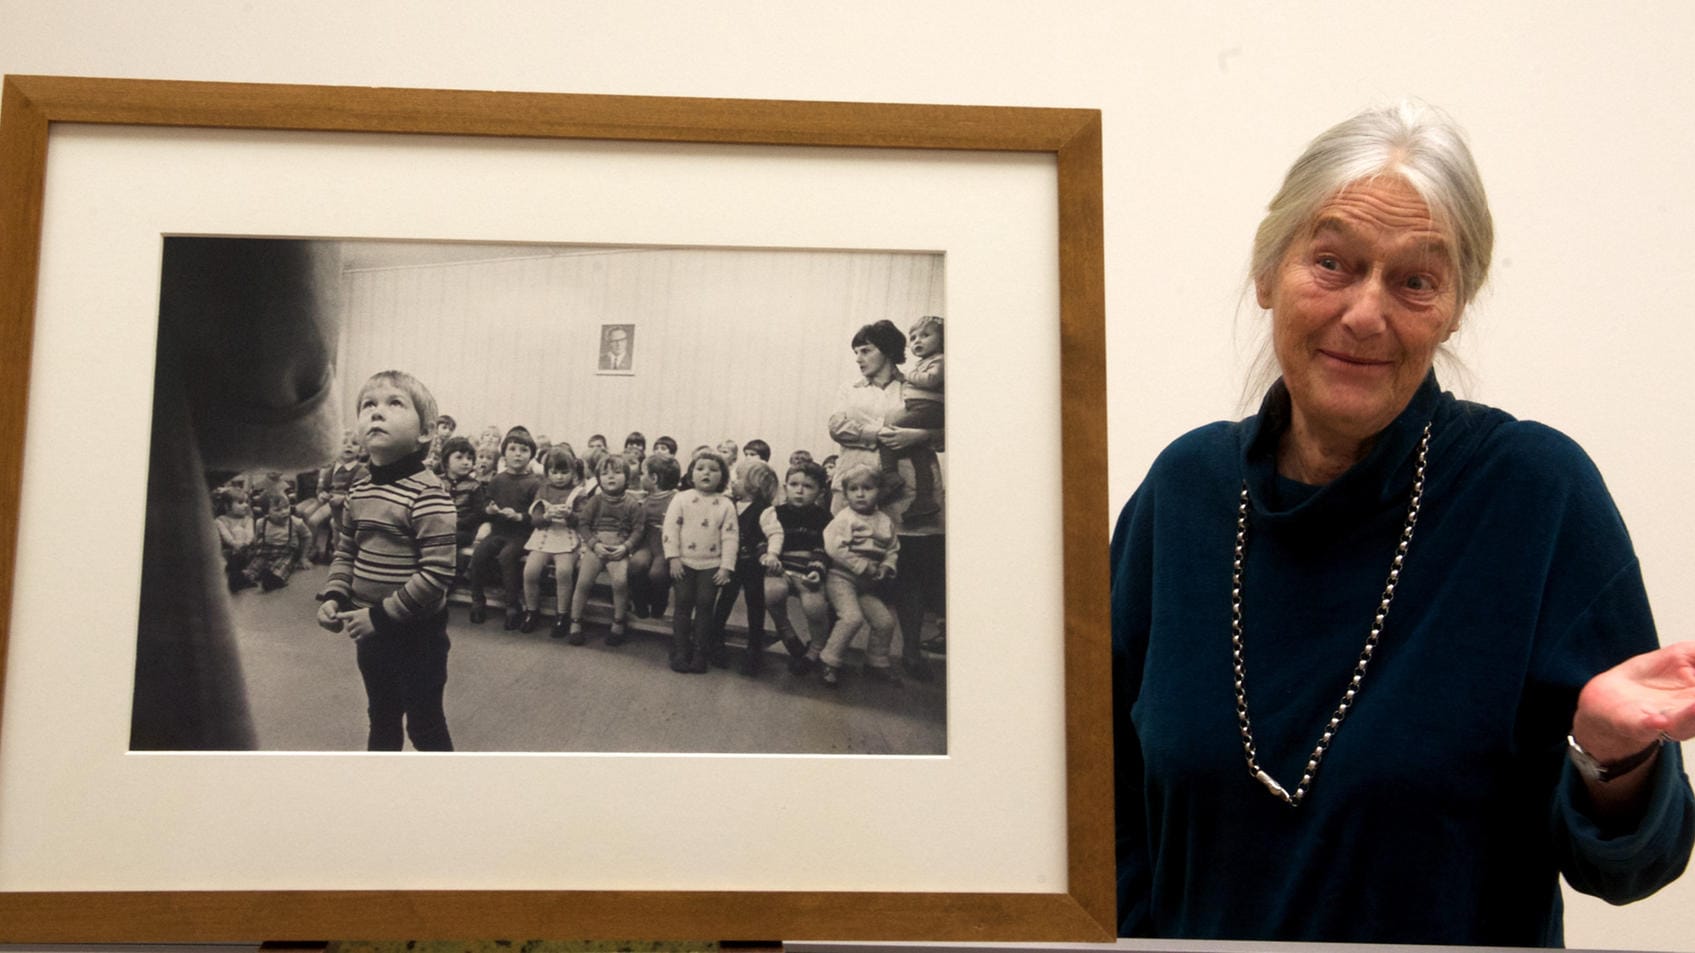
720 529
704 536
267 533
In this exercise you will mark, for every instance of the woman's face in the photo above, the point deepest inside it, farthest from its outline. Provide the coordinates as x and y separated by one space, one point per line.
1358 306
870 360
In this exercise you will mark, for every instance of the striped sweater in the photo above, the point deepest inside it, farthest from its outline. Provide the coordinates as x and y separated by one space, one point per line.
396 554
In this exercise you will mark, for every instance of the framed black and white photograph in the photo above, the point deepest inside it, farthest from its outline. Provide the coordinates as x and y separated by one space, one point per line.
617 349
752 361
267 255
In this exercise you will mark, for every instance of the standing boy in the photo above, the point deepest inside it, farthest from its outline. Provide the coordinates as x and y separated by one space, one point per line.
393 566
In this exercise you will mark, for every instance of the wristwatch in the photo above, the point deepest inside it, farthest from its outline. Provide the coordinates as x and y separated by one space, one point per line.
1602 773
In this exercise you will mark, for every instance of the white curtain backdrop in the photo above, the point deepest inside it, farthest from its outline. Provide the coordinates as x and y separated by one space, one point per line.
729 343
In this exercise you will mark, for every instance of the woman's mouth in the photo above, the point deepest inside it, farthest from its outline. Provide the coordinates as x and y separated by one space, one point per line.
1354 360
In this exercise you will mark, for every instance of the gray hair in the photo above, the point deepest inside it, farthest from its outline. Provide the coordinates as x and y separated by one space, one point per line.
1415 141
1408 139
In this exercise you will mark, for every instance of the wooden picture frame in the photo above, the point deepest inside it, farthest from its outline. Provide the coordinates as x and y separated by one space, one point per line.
1081 909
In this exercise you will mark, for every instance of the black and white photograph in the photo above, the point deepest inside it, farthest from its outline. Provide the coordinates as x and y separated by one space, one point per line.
617 349
741 549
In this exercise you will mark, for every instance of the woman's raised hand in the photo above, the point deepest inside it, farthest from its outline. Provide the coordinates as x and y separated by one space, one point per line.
1622 710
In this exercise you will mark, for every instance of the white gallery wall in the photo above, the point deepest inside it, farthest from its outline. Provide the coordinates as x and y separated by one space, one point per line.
1582 117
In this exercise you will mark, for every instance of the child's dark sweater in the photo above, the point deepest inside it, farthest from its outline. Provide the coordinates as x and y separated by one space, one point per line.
515 491
468 500
803 537
621 515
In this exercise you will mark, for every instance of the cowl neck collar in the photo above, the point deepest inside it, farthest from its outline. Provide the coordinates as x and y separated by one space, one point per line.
1380 480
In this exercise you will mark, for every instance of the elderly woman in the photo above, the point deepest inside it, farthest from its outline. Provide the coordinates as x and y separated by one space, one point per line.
861 425
1383 662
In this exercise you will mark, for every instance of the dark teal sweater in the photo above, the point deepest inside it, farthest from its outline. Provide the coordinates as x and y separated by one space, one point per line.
1445 810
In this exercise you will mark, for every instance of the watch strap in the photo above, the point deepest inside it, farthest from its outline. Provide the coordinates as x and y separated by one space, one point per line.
1603 772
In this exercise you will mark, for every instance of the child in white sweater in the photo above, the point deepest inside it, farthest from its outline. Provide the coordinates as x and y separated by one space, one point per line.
701 537
862 547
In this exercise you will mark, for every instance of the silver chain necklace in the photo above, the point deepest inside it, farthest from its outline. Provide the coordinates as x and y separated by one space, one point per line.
1259 773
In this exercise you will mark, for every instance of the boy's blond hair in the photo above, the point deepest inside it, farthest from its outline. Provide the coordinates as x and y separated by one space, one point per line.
423 401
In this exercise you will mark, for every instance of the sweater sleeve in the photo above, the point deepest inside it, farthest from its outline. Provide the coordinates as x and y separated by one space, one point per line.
1592 614
838 539
587 512
927 375
1129 561
729 537
636 524
339 587
772 527
476 505
671 534
538 510
226 537
433 521
1619 864
852 425
1622 866
300 539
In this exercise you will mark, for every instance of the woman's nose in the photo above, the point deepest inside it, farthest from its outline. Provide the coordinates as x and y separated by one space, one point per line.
1368 309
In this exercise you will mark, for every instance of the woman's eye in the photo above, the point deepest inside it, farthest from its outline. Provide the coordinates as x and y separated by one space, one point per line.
1329 262
1420 283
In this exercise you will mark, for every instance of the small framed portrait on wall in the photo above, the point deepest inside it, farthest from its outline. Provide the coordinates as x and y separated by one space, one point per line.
617 349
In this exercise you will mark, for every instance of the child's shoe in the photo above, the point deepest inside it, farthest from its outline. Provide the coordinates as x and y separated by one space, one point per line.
917 669
271 582
800 665
883 673
752 661
559 625
578 636
616 635
832 677
479 612
528 624
513 618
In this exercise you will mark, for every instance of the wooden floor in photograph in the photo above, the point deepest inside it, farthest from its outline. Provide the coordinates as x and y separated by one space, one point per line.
508 691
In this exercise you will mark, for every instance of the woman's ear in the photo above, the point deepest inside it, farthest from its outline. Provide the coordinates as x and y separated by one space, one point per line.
1453 326
1262 292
